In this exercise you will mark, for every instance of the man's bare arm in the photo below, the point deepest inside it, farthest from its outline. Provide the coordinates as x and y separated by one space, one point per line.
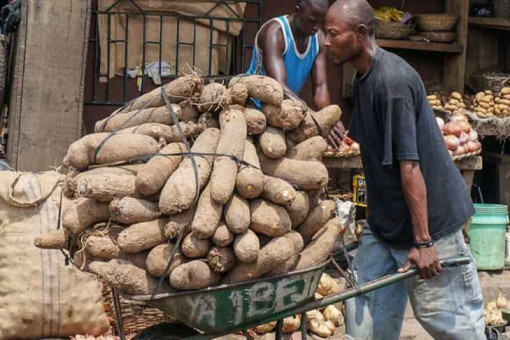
319 76
415 193
272 43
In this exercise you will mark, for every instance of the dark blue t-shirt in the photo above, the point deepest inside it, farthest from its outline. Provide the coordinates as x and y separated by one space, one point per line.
393 121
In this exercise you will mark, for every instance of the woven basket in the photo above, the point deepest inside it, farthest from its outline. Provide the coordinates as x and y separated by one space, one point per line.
491 81
136 315
436 22
440 37
392 30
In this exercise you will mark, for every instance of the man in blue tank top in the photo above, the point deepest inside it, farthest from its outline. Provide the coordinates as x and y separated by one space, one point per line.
290 47
417 198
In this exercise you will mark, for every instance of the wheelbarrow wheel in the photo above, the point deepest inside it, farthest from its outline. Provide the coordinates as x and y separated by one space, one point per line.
166 331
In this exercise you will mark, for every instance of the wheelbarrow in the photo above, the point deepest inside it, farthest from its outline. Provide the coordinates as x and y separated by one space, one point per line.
225 309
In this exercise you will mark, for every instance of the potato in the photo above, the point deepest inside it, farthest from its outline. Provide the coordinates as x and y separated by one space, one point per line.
232 141
193 275
142 236
287 116
169 134
55 239
328 286
82 213
255 121
505 102
291 324
179 90
456 95
122 120
326 118
249 181
130 210
272 255
307 175
207 215
265 328
154 174
272 142
221 259
211 97
179 191
126 277
157 260
311 149
505 90
278 191
237 214
180 223
263 88
317 217
223 236
194 247
268 218
432 97
318 251
104 148
299 208
236 94
246 246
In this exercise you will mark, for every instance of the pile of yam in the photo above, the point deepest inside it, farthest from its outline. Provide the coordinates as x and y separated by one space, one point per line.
235 200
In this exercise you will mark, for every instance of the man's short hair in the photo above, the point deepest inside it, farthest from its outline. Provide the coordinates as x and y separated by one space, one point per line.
358 12
321 3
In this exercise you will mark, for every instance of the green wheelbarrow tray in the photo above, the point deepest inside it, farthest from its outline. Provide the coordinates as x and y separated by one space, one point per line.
231 306
224 309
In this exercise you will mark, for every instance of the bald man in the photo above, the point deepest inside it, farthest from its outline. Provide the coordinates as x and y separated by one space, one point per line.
417 198
290 47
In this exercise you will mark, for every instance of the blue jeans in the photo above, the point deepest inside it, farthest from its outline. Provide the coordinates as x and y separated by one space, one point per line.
448 306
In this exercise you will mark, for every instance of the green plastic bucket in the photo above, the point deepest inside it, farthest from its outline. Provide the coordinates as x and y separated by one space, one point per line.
487 234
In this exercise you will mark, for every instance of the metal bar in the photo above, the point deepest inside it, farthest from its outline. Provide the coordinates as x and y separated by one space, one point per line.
210 45
160 43
108 49
194 41
143 52
125 80
279 329
96 59
177 48
113 5
345 295
118 314
304 327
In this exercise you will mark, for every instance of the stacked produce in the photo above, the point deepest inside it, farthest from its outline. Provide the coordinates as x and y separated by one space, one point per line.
248 204
322 322
459 137
453 104
486 104
492 312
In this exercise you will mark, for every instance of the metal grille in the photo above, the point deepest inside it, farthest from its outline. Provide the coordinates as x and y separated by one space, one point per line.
111 83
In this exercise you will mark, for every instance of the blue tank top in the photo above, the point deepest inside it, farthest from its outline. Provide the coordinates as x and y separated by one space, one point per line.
297 65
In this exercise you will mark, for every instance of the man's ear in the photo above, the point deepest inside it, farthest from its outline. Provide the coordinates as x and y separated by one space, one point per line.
362 32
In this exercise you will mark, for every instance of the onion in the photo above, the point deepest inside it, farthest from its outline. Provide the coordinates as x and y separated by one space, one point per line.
473 135
459 151
452 142
440 123
447 129
471 146
465 126
450 152
478 145
464 138
455 128
330 148
355 147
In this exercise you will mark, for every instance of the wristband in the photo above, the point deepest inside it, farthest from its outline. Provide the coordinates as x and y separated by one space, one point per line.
423 244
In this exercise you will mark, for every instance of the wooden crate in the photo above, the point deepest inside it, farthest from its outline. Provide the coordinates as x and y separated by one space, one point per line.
47 89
